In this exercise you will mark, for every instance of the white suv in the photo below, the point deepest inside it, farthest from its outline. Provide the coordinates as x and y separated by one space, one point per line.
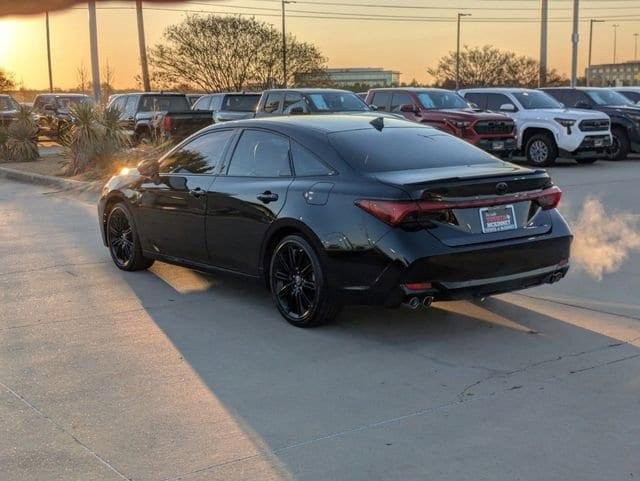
546 128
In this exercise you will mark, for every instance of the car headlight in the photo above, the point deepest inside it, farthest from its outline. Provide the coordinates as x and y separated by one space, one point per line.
461 124
565 122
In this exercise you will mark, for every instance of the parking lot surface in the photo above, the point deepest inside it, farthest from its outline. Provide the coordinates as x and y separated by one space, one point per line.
171 374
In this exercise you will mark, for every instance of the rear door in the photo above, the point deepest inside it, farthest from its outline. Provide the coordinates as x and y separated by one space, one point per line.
246 198
272 105
171 214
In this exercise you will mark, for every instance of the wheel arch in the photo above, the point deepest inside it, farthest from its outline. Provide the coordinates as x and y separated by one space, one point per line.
529 132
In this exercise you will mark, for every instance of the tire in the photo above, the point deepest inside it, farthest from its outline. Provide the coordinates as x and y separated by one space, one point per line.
123 241
586 161
621 145
143 136
298 284
541 150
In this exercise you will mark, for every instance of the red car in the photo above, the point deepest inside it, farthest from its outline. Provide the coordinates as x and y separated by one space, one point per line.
448 111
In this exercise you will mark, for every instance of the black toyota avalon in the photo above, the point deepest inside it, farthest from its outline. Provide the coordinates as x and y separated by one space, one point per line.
329 210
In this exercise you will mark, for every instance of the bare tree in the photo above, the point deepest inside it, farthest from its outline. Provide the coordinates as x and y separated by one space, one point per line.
109 76
83 78
214 53
6 81
489 66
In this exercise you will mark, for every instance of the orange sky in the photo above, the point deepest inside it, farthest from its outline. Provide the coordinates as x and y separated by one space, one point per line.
410 47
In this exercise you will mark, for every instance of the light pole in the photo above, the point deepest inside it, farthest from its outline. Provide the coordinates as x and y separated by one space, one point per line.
284 44
575 38
591 22
143 48
635 48
460 15
93 43
615 40
46 17
544 23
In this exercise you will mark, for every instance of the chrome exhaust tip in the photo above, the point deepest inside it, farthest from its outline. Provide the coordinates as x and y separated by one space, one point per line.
427 301
413 303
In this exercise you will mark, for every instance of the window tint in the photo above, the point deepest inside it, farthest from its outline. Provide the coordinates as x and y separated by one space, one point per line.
305 163
495 101
405 148
272 102
260 154
400 99
240 103
477 98
200 156
381 100
202 103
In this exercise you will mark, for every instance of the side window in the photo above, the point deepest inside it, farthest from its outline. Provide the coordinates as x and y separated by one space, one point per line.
306 163
202 103
200 156
494 101
131 106
582 97
119 103
260 154
37 103
272 102
477 98
381 100
633 96
398 100
216 102
294 101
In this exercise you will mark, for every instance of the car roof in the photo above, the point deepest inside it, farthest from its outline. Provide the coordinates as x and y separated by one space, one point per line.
497 90
577 88
231 93
412 89
327 123
310 90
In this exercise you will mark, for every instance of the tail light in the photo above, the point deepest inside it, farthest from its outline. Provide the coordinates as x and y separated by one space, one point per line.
395 212
167 124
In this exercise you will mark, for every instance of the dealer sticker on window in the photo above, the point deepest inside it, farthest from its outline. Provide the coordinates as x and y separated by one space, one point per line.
497 219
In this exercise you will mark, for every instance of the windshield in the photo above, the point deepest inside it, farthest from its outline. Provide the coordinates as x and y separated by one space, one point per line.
164 103
7 103
405 148
442 100
337 102
532 99
65 103
608 97
240 103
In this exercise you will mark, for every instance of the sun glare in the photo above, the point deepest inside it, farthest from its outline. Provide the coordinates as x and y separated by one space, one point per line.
7 37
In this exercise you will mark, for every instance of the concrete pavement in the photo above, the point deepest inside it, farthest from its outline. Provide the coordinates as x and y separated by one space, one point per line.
171 374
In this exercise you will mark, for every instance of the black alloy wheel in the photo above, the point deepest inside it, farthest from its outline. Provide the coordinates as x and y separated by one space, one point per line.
123 242
298 285
620 146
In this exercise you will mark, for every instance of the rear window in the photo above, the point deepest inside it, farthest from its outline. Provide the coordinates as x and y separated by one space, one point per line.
164 103
240 103
405 148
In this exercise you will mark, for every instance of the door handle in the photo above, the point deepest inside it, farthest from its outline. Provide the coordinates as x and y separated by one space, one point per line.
267 197
197 192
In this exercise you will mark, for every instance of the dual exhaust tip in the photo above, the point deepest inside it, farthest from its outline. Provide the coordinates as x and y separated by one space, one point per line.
414 302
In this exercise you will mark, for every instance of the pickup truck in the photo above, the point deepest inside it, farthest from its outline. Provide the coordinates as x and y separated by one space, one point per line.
546 129
310 101
447 111
624 114
8 110
53 112
159 114
229 106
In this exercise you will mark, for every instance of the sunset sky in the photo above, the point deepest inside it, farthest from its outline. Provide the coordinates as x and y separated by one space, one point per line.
381 40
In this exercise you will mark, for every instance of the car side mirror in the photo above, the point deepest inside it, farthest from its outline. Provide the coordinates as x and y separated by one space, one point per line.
474 105
408 108
373 107
149 169
581 104
507 108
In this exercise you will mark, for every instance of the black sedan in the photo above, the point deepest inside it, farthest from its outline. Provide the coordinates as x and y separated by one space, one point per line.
338 209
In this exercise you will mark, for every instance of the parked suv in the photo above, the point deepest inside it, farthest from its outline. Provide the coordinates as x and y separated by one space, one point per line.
146 114
632 93
448 111
8 110
545 128
624 114
309 101
229 106
53 112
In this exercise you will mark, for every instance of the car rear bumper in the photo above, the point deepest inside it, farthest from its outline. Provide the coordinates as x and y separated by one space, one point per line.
463 273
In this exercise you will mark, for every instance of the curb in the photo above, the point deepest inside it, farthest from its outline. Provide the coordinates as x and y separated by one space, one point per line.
50 180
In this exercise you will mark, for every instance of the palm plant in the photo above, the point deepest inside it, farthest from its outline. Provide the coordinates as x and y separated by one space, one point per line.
22 137
83 139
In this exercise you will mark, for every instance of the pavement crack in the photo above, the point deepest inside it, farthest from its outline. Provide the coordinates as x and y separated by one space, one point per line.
61 428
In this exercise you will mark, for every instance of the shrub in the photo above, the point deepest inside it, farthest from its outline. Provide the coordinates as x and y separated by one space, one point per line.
21 138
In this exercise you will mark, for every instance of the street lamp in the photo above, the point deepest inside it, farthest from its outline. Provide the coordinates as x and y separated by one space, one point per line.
591 22
284 44
615 40
460 15
635 48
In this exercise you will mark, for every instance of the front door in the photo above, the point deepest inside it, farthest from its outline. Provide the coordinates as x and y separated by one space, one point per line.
171 213
246 198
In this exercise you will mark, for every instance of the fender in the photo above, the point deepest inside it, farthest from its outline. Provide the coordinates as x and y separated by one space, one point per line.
522 126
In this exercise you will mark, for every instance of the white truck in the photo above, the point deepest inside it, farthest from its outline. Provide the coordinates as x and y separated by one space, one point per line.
546 129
